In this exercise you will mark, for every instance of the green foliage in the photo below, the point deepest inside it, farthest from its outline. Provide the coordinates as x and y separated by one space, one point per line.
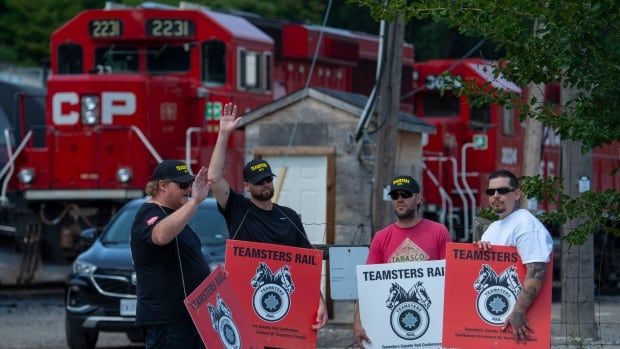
570 42
577 44
488 214
599 212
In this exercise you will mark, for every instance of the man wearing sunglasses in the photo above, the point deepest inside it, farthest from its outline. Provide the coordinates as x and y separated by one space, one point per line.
411 238
257 218
517 227
166 254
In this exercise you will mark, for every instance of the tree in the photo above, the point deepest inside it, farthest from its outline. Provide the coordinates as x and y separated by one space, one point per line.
577 44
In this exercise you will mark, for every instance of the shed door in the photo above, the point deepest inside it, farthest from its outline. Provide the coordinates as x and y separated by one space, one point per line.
304 190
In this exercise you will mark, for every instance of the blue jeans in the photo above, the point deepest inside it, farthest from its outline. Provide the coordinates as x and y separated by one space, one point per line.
173 336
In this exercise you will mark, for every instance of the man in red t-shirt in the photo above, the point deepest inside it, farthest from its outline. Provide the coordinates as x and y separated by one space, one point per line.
411 238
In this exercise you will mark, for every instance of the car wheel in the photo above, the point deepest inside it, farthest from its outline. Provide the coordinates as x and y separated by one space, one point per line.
78 338
137 336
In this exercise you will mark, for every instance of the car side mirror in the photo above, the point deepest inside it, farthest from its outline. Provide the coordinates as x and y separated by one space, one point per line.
87 237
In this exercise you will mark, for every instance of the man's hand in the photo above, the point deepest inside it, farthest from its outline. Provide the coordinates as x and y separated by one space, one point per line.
483 245
359 334
201 187
532 284
229 119
321 315
521 329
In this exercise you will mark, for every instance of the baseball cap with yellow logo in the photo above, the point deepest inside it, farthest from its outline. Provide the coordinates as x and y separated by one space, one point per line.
256 170
406 183
173 170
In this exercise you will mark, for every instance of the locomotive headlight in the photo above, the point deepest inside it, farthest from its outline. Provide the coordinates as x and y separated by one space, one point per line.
26 175
90 110
124 174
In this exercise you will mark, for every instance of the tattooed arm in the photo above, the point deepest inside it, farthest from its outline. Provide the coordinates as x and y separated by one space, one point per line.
534 279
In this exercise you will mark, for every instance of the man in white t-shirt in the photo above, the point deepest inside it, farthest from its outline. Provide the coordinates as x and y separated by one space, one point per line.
517 227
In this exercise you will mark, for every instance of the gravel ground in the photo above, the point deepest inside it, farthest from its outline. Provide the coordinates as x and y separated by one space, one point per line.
36 320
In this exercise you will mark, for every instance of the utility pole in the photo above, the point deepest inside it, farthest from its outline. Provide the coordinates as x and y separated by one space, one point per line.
577 270
387 121
534 134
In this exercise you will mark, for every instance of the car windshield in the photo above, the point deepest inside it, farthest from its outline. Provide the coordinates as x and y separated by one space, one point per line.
208 223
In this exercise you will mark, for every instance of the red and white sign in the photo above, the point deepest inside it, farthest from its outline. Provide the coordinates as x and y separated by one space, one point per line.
279 286
218 315
481 290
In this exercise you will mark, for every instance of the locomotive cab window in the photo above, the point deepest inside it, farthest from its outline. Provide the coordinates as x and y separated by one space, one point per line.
214 63
116 59
480 117
436 104
508 121
70 59
252 70
168 58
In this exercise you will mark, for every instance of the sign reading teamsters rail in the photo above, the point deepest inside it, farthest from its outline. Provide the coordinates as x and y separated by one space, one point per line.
481 291
218 315
401 304
279 286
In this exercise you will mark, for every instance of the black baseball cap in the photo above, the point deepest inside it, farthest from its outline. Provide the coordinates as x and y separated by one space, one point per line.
173 170
404 183
256 170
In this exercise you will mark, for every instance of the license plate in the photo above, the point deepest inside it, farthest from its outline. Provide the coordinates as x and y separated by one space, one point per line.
128 307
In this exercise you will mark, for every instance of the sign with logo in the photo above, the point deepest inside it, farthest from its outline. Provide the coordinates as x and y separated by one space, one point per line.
66 107
480 141
481 290
219 316
279 286
401 304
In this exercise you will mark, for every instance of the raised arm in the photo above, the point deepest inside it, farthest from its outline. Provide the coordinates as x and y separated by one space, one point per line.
219 186
534 278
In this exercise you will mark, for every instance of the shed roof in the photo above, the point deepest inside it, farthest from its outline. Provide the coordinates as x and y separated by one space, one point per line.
351 102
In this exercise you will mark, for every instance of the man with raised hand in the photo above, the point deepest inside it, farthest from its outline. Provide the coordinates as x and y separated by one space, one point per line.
257 218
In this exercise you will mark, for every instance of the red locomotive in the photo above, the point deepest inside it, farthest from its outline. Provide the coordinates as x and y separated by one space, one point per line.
131 86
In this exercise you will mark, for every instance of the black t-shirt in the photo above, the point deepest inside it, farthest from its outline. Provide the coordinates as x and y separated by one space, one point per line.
280 226
160 286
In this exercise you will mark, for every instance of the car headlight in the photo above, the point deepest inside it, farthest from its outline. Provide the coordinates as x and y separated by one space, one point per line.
90 110
124 174
83 268
26 175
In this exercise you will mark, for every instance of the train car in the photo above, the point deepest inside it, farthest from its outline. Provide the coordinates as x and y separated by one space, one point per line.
471 142
132 86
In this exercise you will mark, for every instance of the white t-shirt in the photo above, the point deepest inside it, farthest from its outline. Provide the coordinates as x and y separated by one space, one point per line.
526 232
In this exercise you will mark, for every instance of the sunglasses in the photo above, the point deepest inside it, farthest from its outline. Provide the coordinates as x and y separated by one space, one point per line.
185 185
403 194
264 180
500 191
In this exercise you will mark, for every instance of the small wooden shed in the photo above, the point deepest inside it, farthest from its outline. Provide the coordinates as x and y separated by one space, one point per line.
328 178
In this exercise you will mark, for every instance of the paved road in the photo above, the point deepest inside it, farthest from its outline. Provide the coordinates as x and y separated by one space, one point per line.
36 320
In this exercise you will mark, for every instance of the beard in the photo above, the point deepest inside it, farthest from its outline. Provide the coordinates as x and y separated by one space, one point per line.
263 195
498 207
407 214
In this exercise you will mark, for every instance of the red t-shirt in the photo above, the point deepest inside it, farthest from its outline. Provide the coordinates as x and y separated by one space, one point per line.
423 242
